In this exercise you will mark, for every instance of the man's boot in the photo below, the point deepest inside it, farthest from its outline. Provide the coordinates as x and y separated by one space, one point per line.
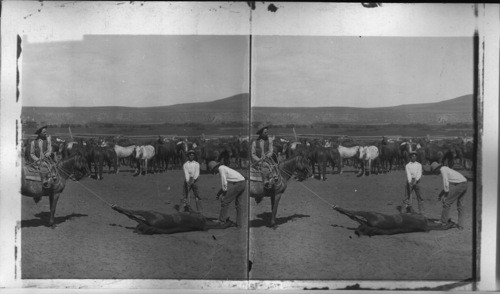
199 207
421 207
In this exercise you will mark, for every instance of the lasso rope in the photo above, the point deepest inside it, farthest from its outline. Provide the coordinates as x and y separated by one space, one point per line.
88 189
310 190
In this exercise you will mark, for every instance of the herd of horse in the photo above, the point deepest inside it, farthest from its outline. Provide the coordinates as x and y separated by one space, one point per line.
297 158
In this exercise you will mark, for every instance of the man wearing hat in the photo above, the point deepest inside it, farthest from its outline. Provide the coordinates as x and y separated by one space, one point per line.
262 155
262 147
40 153
191 173
41 147
233 185
413 176
454 189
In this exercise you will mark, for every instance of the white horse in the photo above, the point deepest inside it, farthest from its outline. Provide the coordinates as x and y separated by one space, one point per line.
346 152
368 154
123 152
144 154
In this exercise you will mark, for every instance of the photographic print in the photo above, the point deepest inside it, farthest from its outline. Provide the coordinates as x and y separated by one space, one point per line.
357 109
135 122
249 146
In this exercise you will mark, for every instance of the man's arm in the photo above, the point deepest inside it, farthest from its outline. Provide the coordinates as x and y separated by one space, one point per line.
49 147
32 151
254 152
408 174
223 177
196 171
186 172
271 148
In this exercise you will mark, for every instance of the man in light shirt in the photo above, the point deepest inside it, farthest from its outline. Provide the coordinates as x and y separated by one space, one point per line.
233 184
191 174
413 176
454 189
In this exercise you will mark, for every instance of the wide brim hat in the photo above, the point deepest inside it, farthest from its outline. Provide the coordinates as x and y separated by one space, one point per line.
191 152
259 132
40 130
212 165
434 166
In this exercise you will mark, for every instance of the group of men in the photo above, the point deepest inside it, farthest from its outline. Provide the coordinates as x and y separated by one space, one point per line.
233 184
454 189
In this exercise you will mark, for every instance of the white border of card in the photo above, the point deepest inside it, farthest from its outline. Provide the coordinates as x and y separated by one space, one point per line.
58 21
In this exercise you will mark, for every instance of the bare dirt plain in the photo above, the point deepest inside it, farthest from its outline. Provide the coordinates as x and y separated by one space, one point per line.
312 242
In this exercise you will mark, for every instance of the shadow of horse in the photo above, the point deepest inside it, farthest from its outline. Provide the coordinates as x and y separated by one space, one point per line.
265 218
43 219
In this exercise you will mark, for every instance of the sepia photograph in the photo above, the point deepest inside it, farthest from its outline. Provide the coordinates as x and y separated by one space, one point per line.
249 146
127 129
384 129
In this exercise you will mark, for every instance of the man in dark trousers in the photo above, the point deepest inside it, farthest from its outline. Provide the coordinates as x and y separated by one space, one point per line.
413 175
454 189
191 173
233 184
262 156
41 156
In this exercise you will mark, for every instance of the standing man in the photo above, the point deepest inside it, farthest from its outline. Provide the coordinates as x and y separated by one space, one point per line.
41 155
413 175
454 188
191 173
233 185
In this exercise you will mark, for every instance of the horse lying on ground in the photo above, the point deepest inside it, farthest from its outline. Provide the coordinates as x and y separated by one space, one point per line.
374 223
152 222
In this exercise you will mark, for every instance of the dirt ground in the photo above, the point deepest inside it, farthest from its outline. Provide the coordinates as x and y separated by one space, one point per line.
312 242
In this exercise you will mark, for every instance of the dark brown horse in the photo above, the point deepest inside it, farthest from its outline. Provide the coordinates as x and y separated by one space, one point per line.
286 168
75 167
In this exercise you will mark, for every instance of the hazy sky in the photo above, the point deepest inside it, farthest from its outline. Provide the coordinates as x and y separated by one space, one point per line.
136 71
142 71
360 71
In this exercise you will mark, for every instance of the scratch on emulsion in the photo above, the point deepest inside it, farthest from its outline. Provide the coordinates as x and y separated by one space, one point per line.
19 50
17 229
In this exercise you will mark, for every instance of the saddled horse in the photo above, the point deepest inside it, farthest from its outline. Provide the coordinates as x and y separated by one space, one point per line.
75 167
346 153
286 169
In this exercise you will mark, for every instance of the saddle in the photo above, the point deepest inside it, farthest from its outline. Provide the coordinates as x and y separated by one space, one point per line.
265 170
40 172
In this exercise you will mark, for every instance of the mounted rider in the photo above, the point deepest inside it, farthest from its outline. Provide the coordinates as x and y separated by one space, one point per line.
263 157
41 156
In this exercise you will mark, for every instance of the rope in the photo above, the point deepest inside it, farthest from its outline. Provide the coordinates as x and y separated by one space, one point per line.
95 194
314 193
88 189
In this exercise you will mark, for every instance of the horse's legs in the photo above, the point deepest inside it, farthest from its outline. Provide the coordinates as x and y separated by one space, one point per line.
275 200
53 198
323 174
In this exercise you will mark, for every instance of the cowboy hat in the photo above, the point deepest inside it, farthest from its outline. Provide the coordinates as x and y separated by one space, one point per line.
434 166
191 152
259 132
212 165
413 153
40 130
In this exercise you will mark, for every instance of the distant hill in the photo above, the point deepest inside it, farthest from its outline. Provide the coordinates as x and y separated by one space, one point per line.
236 109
